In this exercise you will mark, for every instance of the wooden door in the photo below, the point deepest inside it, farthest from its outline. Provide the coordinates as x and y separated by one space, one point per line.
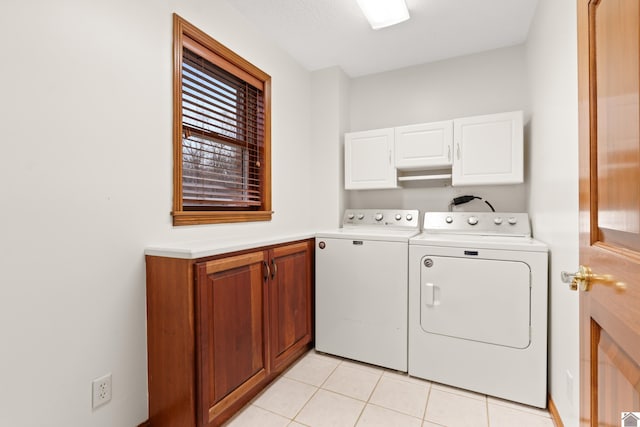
290 301
231 329
609 79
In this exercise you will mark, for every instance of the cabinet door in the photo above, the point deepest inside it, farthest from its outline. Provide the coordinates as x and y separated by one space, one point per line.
290 302
369 160
230 312
424 146
488 149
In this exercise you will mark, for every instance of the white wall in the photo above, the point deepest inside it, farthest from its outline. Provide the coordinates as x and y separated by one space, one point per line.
86 184
553 183
330 114
484 83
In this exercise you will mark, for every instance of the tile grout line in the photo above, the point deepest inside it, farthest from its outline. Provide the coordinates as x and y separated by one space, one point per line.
395 411
368 402
283 375
318 388
303 405
529 410
354 364
426 405
368 399
351 397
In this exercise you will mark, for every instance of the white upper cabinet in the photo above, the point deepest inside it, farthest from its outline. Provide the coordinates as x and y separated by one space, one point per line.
424 146
369 160
480 150
488 149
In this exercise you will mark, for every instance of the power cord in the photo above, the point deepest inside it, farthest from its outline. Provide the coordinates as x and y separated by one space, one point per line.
466 199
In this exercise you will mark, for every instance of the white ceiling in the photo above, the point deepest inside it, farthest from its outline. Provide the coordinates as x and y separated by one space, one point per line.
325 33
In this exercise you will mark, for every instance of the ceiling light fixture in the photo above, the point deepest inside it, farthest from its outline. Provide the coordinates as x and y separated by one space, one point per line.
383 13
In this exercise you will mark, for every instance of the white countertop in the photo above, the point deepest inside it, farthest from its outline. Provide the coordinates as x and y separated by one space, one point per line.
201 249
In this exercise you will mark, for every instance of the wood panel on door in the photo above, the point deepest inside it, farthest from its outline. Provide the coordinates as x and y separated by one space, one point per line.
231 311
609 113
290 301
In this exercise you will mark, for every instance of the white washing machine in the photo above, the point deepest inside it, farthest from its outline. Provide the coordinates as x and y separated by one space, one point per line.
362 286
478 305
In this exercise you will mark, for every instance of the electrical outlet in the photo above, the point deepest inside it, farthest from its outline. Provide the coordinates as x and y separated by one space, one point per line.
101 390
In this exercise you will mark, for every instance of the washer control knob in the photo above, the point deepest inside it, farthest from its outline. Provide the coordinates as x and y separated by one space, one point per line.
360 216
472 220
512 220
379 217
448 220
351 216
497 220
398 217
409 217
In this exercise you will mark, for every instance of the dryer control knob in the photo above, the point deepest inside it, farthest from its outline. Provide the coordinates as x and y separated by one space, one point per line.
409 217
448 220
360 216
472 220
351 216
379 217
497 220
398 217
512 220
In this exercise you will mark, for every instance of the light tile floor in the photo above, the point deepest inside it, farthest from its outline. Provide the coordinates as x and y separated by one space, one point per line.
326 391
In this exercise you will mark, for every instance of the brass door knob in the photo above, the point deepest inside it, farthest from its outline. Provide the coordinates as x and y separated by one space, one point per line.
584 279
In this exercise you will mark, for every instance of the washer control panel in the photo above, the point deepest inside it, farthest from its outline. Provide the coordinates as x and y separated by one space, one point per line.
400 218
483 223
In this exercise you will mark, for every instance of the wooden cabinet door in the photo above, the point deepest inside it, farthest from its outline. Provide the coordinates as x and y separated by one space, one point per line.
369 161
488 149
231 331
609 119
290 301
424 146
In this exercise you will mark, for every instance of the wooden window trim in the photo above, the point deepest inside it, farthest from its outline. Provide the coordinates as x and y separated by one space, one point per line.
186 34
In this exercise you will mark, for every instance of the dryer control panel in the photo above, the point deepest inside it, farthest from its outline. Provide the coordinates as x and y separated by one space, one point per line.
515 224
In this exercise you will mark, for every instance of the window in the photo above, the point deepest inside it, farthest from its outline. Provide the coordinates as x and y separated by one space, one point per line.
222 165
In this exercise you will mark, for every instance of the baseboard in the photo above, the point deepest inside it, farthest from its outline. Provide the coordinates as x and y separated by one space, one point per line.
555 415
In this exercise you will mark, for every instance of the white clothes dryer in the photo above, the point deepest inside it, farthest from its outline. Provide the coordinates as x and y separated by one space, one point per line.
478 305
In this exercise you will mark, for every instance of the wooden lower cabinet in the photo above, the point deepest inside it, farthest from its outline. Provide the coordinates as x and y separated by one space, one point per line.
220 329
290 305
231 313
